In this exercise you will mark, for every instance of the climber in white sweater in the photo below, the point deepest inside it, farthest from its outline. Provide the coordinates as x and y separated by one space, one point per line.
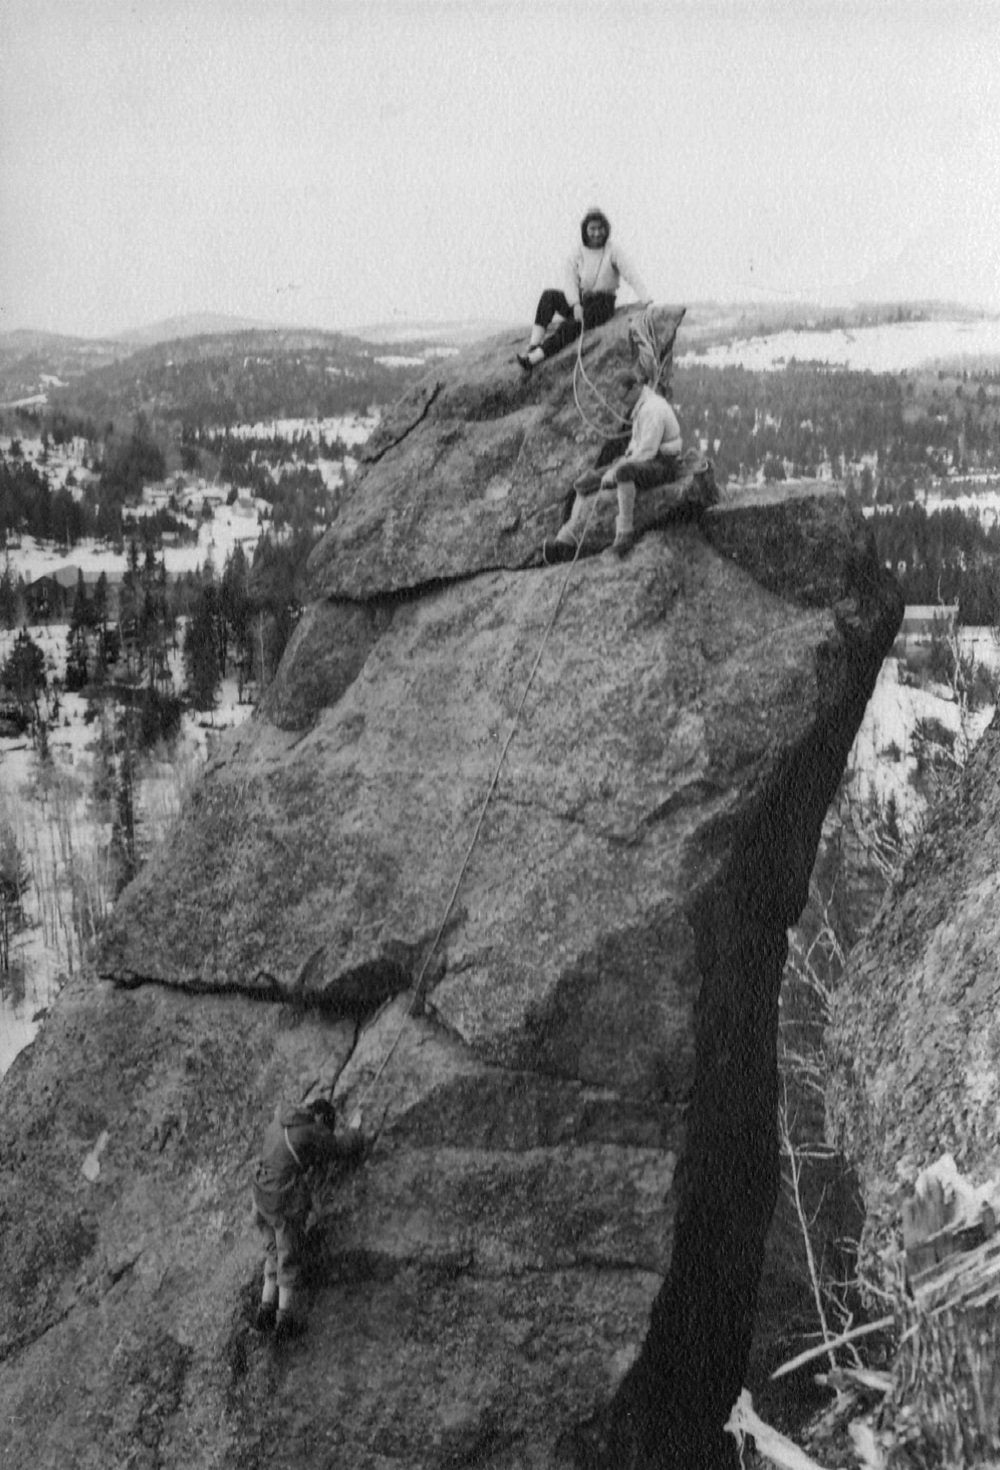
592 276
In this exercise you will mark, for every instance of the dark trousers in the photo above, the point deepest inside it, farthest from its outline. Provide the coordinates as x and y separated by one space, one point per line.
644 474
597 309
284 1238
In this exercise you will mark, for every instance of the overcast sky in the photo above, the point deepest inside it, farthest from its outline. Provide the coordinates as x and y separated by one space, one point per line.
337 164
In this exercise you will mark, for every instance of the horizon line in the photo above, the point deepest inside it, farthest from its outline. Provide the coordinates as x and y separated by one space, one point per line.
227 322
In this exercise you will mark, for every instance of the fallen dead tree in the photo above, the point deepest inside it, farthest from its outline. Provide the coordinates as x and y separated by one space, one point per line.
940 1403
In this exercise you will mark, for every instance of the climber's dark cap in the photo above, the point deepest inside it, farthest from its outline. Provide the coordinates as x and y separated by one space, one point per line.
324 1112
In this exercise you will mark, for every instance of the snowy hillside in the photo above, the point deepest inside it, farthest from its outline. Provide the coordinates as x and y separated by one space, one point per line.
892 347
884 757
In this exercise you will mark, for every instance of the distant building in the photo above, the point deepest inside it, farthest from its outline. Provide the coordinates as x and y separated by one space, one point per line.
51 595
925 622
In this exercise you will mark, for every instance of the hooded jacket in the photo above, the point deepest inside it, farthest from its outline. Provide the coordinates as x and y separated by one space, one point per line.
588 270
293 1143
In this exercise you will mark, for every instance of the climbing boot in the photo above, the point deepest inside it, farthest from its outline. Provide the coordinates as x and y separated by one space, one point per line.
555 551
623 543
288 1324
266 1314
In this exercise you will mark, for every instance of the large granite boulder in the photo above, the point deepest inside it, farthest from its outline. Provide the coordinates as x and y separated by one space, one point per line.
507 858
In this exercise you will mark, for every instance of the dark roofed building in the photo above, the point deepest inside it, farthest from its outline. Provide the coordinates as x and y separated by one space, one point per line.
51 595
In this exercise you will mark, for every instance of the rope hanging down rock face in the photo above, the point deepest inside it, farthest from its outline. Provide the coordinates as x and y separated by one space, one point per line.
652 359
356 1115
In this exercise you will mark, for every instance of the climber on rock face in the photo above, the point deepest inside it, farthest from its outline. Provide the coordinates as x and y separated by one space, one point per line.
297 1140
650 460
587 300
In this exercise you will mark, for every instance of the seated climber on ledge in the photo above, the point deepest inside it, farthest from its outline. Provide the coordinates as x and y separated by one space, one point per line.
650 460
592 275
297 1140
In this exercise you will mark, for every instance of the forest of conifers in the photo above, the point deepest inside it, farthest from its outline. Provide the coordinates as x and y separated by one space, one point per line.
891 437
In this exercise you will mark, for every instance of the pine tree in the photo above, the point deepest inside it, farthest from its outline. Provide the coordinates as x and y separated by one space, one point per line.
8 598
124 848
130 610
201 658
237 612
77 639
24 673
14 883
99 616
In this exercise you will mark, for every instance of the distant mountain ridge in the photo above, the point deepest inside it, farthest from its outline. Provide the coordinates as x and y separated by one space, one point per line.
212 368
217 324
721 314
456 333
196 324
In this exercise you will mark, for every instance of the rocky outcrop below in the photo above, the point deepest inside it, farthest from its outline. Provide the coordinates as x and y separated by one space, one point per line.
550 981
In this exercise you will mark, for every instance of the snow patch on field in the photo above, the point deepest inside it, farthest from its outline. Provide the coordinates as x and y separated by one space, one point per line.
893 347
59 832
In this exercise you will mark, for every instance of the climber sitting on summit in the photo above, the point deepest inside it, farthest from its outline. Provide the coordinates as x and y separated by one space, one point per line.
650 460
591 281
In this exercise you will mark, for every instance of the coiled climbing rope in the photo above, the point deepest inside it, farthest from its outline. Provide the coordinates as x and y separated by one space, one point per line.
617 417
652 357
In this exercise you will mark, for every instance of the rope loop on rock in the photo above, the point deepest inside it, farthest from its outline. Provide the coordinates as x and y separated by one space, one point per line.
580 373
645 344
652 357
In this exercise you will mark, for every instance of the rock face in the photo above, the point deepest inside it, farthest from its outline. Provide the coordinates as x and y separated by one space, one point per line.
550 980
915 1025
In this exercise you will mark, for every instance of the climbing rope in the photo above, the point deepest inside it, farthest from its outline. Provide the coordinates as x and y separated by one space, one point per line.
355 1117
580 373
653 357
644 341
646 346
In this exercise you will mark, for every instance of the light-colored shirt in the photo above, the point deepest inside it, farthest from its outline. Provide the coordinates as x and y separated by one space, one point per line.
655 429
590 270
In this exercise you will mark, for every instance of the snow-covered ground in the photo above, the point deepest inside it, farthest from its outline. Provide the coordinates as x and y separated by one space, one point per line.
58 462
894 347
217 539
883 759
985 505
351 429
51 815
53 820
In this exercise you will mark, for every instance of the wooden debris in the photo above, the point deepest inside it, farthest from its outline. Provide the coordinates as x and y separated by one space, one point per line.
941 1402
866 1447
868 1380
944 1407
945 1216
770 1443
831 1344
